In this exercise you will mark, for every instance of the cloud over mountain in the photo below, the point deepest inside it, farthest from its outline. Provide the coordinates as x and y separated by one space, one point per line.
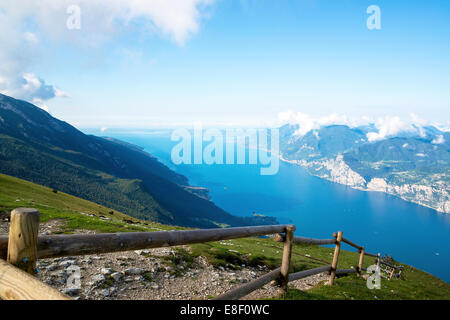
307 123
388 127
376 129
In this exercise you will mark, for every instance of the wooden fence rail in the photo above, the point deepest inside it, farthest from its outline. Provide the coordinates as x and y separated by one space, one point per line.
307 273
23 247
391 266
54 246
244 290
340 272
303 240
351 243
371 255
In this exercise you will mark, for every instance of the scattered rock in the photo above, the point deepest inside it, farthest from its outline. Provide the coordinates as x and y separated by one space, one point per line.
71 291
52 267
134 271
151 278
116 276
59 274
106 271
105 293
97 279
67 263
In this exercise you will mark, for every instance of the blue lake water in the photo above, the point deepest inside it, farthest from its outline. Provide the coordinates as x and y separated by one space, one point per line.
411 233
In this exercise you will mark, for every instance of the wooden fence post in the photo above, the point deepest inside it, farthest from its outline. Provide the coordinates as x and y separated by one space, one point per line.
392 273
286 262
377 260
361 260
337 249
22 242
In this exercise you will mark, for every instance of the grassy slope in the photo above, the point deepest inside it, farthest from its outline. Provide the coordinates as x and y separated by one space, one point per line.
415 285
20 193
235 253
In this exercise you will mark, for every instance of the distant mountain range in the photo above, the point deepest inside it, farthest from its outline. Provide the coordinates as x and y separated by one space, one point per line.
37 147
414 167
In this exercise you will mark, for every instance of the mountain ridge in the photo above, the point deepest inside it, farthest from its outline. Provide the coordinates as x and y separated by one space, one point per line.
40 148
413 167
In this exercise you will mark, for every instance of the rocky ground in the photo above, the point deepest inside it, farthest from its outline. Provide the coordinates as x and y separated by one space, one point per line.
148 274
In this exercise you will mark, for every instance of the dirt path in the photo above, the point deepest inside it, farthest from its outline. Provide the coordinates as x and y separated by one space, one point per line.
148 274
132 275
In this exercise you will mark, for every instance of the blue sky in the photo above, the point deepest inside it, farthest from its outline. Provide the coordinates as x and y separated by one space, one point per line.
237 62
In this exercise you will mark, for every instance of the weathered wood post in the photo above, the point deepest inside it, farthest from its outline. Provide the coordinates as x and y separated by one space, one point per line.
286 262
22 242
361 260
392 273
279 237
334 264
377 260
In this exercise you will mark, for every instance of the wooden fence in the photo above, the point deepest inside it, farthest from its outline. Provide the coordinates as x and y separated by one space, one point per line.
22 247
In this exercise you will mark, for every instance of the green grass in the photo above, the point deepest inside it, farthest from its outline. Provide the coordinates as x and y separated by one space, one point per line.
259 251
16 193
415 284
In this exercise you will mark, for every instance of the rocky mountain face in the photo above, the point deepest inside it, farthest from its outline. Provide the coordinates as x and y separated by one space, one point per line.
40 148
415 168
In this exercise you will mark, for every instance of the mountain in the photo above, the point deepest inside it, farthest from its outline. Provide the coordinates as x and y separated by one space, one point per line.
40 148
324 142
412 166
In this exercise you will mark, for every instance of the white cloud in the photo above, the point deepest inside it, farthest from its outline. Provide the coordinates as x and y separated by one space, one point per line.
32 88
31 37
418 121
307 123
388 127
335 119
385 127
177 19
394 126
443 127
438 140
25 25
286 116
43 106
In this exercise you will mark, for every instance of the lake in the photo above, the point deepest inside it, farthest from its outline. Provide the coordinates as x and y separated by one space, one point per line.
411 233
